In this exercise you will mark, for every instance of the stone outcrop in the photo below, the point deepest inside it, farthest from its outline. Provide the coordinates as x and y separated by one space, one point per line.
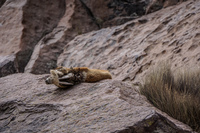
11 31
80 17
75 21
130 50
115 12
155 5
29 105
40 26
21 28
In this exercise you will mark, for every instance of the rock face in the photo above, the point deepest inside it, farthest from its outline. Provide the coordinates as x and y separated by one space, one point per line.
155 5
106 106
80 17
40 26
115 12
45 29
11 16
21 29
74 22
129 50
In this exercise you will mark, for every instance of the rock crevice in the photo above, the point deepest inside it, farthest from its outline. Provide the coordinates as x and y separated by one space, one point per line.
90 14
36 26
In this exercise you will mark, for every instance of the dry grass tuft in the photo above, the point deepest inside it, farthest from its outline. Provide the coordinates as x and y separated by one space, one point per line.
176 94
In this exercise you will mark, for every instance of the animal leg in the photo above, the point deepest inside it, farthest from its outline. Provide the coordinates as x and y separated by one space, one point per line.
65 83
67 77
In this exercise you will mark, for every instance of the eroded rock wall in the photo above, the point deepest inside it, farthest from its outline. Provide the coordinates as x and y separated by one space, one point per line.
10 32
23 23
52 24
130 50
82 16
75 21
40 17
115 12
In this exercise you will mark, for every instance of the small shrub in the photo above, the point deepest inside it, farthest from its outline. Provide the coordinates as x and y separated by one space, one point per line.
176 94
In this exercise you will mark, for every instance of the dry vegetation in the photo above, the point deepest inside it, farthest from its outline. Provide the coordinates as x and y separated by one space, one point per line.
176 94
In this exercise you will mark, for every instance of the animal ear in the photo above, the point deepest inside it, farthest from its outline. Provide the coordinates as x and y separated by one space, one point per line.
53 72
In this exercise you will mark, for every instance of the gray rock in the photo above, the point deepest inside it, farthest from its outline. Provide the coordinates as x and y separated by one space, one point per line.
7 65
22 24
74 22
82 16
29 105
130 51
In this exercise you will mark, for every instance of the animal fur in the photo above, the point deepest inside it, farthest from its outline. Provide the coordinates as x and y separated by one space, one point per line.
63 76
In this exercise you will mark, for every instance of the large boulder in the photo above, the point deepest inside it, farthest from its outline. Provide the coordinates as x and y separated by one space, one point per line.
74 22
115 12
155 5
27 104
130 50
82 16
11 28
52 24
22 24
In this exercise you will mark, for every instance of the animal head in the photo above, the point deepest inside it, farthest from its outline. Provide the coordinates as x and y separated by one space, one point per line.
54 75
60 79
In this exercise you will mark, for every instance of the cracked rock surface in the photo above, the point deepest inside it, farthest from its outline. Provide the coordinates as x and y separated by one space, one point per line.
129 51
21 29
37 43
108 106
33 33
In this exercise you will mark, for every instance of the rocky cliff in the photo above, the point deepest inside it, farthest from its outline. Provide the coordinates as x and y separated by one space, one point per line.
126 37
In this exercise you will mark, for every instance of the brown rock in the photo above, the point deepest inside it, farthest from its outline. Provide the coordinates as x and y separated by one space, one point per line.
22 24
130 50
75 21
52 24
29 105
81 16
155 5
2 2
7 65
115 12
11 13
